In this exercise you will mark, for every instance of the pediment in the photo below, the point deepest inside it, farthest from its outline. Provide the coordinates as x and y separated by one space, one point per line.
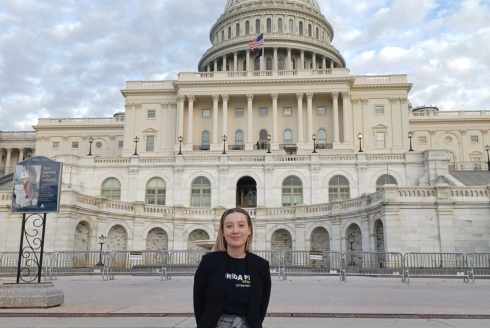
380 127
150 130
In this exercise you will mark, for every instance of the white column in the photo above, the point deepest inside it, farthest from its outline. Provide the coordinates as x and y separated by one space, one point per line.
235 61
274 96
180 116
302 64
215 119
290 63
21 154
309 116
299 97
335 99
224 64
190 117
324 62
275 59
262 60
208 68
346 117
33 152
250 98
7 162
331 63
313 57
215 65
225 99
248 60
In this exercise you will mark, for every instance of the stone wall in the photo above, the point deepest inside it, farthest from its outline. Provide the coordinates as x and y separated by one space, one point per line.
157 239
117 239
281 240
82 237
197 234
320 240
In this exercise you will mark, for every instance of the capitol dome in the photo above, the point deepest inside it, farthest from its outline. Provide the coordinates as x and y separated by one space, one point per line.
296 37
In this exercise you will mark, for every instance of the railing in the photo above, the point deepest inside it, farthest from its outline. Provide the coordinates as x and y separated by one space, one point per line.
81 262
236 147
146 262
435 264
201 147
185 262
324 146
275 260
18 135
9 261
468 166
306 263
479 264
452 114
373 264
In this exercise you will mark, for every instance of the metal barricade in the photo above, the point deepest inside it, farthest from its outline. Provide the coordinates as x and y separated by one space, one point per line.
82 262
9 261
435 264
184 263
143 263
302 263
479 265
373 264
275 260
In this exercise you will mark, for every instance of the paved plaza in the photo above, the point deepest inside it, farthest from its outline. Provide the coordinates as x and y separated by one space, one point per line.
130 301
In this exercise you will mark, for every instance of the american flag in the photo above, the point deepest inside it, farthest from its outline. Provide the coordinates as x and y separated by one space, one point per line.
257 42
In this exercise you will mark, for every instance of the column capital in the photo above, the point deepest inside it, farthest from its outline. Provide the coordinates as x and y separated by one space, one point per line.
309 95
250 96
393 100
275 48
345 94
355 100
403 100
299 95
365 101
275 96
225 97
191 98
180 98
9 150
235 53
302 51
215 97
335 95
128 106
289 49
164 105
137 106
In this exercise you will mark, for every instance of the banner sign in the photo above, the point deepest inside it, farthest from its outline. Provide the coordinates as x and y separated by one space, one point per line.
316 255
37 186
136 256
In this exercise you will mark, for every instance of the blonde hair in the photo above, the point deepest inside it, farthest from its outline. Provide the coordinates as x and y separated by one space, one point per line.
220 244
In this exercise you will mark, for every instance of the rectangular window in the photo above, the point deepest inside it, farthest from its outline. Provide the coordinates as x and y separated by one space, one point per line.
56 145
206 113
422 140
287 111
474 138
380 140
321 111
151 113
74 145
379 110
263 112
150 143
239 112
121 143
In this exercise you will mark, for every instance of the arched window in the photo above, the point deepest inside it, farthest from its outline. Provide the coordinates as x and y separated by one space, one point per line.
205 140
269 25
317 34
239 139
280 64
279 25
257 26
247 27
385 179
257 64
155 192
237 32
291 26
268 64
288 137
201 193
111 189
338 188
322 139
292 191
263 135
300 28
309 30
229 32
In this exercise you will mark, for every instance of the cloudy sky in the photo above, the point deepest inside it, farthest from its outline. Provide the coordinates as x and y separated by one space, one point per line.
70 58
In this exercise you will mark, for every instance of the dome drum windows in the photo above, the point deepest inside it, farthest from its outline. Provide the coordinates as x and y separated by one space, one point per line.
269 25
279 25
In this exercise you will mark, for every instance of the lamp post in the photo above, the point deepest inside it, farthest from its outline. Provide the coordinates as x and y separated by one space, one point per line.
180 145
410 135
314 143
136 140
487 148
224 144
269 143
352 240
359 136
90 141
101 242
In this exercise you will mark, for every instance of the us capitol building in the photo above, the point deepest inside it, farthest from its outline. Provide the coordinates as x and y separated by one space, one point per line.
321 159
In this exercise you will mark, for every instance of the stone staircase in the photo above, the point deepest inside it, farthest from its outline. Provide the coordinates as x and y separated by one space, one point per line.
472 178
6 182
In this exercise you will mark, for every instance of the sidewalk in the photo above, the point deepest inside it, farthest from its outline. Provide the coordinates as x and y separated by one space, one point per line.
141 302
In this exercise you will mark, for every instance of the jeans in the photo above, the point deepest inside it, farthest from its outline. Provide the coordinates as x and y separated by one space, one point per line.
232 321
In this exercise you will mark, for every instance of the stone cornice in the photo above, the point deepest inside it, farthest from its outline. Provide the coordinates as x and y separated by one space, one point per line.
407 86
448 120
126 92
268 81
92 126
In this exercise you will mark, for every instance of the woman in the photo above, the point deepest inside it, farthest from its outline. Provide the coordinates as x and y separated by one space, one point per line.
232 286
